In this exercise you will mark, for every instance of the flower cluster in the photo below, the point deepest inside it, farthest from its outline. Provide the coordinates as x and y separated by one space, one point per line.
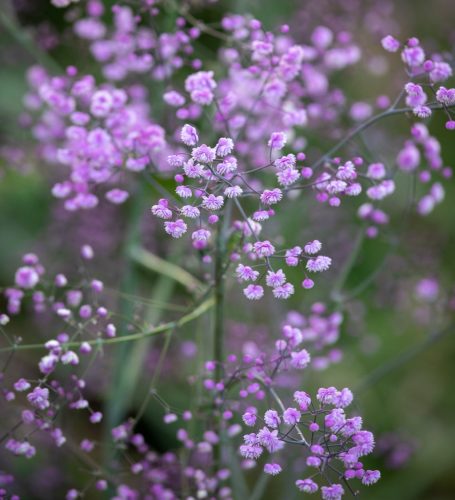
434 70
327 437
99 133
131 47
221 147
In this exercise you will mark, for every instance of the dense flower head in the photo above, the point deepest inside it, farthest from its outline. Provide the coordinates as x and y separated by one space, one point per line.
288 427
94 132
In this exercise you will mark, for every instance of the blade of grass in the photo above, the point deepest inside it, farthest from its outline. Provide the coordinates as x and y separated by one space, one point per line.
152 262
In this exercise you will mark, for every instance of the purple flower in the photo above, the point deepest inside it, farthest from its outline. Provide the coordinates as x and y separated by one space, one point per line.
264 248
190 211
21 385
26 277
271 196
203 154
300 359
272 469
333 492
250 417
176 229
117 196
283 291
291 416
161 209
390 43
319 264
173 98
101 103
272 419
371 477
39 398
313 247
306 485
275 278
246 273
189 135
303 399
269 439
224 146
251 451
277 140
200 85
253 292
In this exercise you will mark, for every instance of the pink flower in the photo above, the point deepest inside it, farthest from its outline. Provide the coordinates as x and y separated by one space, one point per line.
224 146
313 247
200 85
117 196
253 292
306 485
161 210
277 278
189 135
390 43
26 277
300 359
39 398
283 291
264 248
291 416
212 202
271 196
272 419
277 140
319 264
176 229
246 273
272 469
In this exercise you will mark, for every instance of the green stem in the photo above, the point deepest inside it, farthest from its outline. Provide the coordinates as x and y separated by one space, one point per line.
155 377
367 124
336 294
218 322
201 309
405 357
218 327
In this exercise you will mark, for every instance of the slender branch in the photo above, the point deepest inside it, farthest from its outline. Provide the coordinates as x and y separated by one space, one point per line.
155 377
336 294
280 403
403 358
201 309
363 126
218 327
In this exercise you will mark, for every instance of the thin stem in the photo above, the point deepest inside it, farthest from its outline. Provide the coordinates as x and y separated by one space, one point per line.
201 309
155 378
402 358
218 326
363 126
337 295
